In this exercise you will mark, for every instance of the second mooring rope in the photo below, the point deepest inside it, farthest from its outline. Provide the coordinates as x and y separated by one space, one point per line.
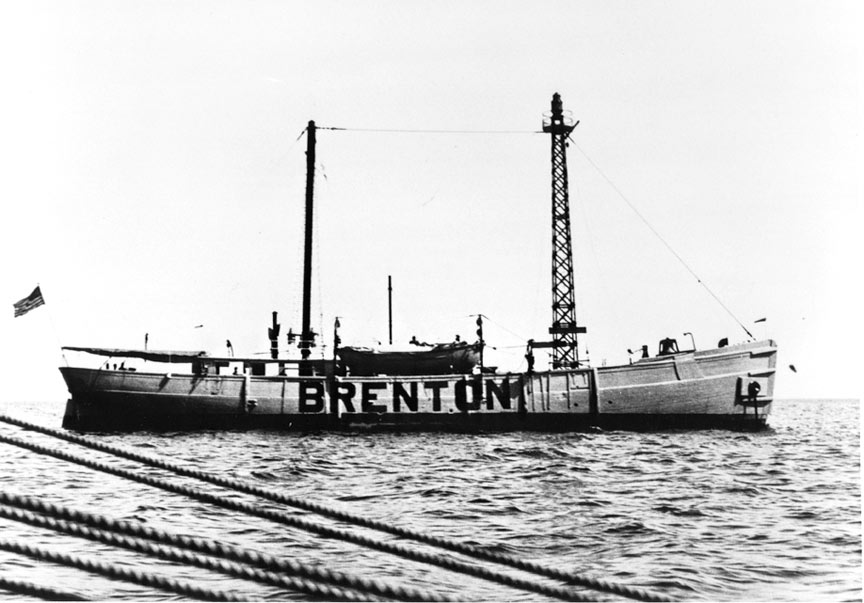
45 593
135 536
473 551
119 573
448 563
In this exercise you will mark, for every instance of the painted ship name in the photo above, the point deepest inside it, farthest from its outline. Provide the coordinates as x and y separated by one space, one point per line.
400 396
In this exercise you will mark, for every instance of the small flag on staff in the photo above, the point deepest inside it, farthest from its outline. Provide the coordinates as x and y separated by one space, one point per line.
34 300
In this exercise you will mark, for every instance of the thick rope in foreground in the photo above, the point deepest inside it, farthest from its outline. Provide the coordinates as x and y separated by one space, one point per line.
106 530
189 558
564 594
40 592
118 573
465 549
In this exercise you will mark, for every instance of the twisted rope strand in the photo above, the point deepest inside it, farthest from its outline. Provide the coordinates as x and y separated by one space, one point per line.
459 547
285 519
118 573
105 529
179 556
34 590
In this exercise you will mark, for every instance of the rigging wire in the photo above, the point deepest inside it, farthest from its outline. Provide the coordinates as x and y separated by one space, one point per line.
660 237
499 325
316 226
594 165
603 286
409 131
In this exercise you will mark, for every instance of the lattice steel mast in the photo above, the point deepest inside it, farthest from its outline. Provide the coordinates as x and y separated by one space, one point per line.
565 351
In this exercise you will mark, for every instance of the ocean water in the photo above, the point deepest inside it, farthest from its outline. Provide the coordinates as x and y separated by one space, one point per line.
694 515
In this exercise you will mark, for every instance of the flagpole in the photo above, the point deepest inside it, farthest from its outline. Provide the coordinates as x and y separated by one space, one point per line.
54 330
30 303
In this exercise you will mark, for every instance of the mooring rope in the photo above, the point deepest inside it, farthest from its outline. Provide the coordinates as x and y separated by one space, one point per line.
106 530
285 519
45 593
473 551
118 573
172 554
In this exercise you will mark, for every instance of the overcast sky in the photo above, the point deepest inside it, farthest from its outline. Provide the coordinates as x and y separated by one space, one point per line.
153 175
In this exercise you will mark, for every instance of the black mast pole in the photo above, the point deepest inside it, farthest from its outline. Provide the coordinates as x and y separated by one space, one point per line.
307 337
390 307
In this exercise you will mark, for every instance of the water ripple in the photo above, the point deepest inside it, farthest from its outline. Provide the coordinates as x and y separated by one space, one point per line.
716 515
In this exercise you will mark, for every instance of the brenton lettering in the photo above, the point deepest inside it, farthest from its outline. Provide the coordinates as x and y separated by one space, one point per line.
406 397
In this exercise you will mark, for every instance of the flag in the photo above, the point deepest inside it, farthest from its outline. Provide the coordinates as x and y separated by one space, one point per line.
34 300
760 320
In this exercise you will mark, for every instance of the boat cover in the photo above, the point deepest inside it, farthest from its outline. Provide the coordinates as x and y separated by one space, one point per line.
442 359
154 355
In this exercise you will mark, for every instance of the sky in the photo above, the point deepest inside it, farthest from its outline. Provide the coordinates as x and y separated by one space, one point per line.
153 174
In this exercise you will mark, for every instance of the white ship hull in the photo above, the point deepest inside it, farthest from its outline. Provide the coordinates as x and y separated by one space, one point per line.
704 389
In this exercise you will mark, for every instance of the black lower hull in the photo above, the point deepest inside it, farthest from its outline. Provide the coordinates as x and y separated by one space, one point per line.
421 422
